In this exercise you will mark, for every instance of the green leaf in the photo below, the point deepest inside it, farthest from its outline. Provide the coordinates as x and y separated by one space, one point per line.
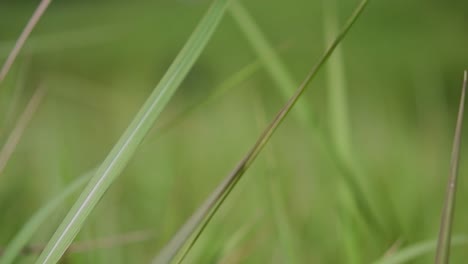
121 153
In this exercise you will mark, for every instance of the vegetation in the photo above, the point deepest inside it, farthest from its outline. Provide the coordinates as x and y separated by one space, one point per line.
97 167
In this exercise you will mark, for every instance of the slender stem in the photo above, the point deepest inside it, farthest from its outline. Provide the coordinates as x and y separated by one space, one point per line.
443 243
207 210
41 8
10 145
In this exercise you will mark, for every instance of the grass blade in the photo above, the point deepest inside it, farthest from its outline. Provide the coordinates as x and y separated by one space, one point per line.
132 137
443 243
340 132
23 121
409 253
212 203
338 150
25 234
269 58
276 202
337 90
41 8
22 238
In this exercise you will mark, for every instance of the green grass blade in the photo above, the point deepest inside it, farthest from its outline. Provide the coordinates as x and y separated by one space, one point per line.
409 253
213 202
132 137
23 237
443 243
41 8
340 132
337 90
268 56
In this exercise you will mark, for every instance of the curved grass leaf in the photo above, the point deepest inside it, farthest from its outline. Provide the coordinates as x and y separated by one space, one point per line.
417 250
443 244
205 212
132 137
23 237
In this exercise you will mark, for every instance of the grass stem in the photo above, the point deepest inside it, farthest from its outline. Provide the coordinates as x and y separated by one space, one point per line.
202 216
443 243
41 8
23 121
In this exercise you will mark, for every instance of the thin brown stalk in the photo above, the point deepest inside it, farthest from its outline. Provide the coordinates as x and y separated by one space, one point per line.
23 121
41 8
443 243
206 211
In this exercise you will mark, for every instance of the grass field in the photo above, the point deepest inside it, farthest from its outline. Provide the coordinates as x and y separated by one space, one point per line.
356 173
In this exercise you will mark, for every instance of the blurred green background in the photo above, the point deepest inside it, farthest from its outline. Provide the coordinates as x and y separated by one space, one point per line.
99 60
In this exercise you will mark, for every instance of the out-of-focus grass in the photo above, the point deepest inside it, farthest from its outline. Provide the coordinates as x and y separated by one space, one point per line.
403 63
23 37
22 238
417 250
125 148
